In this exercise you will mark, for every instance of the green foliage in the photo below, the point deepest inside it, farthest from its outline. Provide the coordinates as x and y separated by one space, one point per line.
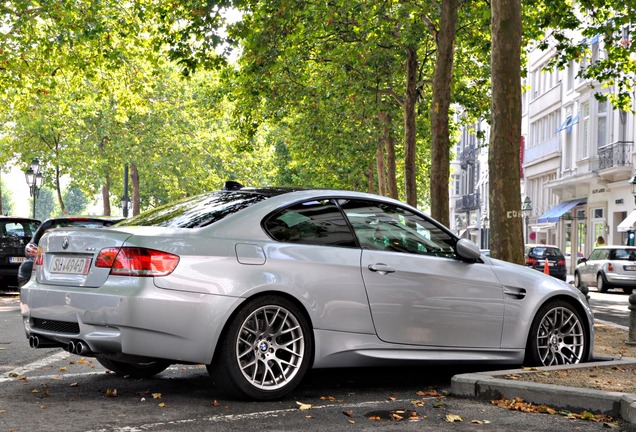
7 198
44 204
75 201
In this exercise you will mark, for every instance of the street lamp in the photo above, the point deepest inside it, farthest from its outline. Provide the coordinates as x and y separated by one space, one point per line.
125 199
632 182
526 209
34 179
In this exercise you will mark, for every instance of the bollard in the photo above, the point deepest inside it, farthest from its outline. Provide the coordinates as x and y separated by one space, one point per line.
632 320
546 267
586 292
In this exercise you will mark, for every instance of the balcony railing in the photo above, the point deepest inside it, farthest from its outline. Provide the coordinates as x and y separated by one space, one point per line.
468 156
615 154
467 202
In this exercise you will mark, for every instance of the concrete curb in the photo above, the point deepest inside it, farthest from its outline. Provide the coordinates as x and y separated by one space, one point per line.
491 385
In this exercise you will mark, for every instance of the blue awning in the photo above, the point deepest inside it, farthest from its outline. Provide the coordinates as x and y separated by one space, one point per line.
559 210
568 123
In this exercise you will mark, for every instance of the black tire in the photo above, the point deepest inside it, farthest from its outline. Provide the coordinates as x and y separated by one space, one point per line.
577 280
601 284
265 351
134 370
628 290
558 336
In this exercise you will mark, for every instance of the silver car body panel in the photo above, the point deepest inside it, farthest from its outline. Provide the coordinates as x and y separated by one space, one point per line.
412 311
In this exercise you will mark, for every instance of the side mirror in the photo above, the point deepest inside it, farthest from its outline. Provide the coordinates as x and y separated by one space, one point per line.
581 260
468 250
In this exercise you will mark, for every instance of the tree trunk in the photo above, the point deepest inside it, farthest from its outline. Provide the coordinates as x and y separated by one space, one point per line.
134 177
106 196
379 161
440 142
506 232
58 191
389 145
370 178
410 133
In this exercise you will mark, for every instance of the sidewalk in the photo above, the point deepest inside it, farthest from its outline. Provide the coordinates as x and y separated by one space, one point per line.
493 385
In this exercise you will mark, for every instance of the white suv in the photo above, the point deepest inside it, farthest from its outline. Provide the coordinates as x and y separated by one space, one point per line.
608 267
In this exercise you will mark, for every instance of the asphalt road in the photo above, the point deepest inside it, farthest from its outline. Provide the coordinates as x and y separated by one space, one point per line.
49 389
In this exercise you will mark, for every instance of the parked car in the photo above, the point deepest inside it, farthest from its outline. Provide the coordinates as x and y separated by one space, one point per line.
30 250
538 254
260 284
15 233
608 267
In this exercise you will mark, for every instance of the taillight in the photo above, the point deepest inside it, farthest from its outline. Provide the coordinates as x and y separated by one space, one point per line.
610 267
135 261
530 261
31 250
39 257
561 262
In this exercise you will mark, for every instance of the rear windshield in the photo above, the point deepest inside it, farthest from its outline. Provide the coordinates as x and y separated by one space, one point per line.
12 229
198 211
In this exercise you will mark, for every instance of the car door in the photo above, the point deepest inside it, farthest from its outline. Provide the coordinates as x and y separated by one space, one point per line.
589 269
419 291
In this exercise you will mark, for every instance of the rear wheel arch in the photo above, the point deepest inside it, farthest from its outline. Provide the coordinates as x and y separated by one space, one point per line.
284 295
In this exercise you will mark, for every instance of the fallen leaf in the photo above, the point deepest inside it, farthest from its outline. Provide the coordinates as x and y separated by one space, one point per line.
452 418
375 418
156 395
162 405
111 392
303 406
73 384
391 398
35 391
480 421
309 416
63 369
348 413
351 421
215 403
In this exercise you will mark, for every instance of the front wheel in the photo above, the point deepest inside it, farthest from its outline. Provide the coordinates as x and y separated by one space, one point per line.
134 370
265 351
558 336
577 280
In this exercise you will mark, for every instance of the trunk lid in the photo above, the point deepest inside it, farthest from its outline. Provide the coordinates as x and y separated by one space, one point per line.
69 256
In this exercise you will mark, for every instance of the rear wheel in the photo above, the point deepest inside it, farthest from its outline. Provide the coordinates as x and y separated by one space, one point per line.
134 370
601 285
265 351
558 336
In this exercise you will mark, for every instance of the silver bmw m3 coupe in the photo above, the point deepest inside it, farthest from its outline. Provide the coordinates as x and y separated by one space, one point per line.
262 284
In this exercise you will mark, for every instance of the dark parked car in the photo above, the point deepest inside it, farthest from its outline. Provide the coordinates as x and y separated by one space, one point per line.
537 254
15 233
31 249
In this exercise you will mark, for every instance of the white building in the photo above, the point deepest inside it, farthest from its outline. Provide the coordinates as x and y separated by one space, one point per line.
577 160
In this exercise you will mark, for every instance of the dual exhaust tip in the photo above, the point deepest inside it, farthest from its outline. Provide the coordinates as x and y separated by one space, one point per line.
74 347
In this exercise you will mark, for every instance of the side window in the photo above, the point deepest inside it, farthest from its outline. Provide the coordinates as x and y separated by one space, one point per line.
311 222
387 227
603 254
595 254
620 254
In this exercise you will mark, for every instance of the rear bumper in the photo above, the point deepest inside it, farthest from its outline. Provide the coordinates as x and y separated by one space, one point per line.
618 280
131 320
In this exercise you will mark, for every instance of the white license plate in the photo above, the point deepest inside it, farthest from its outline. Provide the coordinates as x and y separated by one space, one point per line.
16 260
630 268
70 265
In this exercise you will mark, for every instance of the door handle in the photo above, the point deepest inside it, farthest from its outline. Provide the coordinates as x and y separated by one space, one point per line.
381 268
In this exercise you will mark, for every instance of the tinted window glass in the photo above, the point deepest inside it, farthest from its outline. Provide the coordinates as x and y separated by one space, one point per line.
312 222
198 211
596 253
17 229
387 227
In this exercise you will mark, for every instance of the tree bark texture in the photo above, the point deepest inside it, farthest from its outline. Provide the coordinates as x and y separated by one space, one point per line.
379 161
506 232
441 98
106 195
410 132
134 179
